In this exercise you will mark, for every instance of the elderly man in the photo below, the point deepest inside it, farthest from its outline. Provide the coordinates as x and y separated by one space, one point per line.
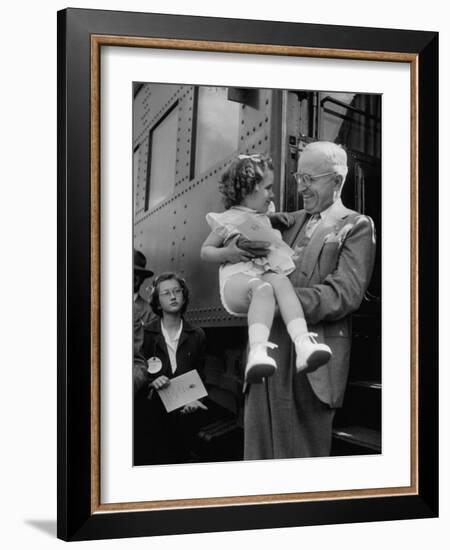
290 414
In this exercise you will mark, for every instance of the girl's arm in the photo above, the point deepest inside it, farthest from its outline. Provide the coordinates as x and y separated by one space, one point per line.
213 251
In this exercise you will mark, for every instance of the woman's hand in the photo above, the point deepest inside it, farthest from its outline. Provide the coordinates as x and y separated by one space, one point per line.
192 407
160 382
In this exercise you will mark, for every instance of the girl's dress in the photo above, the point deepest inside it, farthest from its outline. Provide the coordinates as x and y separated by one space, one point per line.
241 220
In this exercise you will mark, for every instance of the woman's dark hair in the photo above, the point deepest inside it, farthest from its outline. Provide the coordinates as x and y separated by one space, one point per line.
168 276
242 176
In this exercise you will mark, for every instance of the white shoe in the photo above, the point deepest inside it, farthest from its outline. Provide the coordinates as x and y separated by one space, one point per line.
310 354
259 364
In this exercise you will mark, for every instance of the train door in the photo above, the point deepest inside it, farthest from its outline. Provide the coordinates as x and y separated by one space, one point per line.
354 121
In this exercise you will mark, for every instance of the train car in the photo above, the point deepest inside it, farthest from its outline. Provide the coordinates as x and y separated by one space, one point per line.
185 136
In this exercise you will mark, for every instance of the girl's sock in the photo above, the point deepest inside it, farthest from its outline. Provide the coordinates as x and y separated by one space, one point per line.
296 328
258 333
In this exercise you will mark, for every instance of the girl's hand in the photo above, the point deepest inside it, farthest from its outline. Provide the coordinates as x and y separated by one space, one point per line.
192 407
160 382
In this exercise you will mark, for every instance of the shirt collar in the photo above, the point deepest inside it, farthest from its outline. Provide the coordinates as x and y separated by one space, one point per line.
166 334
324 214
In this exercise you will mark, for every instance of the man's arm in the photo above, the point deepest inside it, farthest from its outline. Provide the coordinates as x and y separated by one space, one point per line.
141 378
342 291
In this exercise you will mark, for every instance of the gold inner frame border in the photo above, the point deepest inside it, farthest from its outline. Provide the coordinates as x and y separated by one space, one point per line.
97 41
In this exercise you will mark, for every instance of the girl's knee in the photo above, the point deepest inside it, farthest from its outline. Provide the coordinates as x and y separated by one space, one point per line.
276 280
260 288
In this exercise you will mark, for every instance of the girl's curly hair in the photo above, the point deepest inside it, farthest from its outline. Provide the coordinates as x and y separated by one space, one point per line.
242 176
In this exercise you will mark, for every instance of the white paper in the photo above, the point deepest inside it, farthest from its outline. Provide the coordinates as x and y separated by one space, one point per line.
182 390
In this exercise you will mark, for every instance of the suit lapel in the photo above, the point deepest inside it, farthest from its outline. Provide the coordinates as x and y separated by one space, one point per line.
291 235
315 245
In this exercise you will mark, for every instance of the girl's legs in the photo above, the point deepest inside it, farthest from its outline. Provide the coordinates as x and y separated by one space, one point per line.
290 307
310 354
250 295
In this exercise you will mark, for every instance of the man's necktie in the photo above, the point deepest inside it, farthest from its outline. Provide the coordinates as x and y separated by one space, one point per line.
311 225
304 237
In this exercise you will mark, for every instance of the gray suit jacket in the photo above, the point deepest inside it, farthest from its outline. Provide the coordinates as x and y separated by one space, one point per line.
331 281
290 414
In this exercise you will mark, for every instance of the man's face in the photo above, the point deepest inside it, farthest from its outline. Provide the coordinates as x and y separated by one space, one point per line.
318 193
137 281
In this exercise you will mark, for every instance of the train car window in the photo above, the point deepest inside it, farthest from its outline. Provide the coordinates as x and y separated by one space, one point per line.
162 158
353 119
217 127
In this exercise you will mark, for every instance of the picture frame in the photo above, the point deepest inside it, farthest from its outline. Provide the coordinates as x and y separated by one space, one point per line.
81 35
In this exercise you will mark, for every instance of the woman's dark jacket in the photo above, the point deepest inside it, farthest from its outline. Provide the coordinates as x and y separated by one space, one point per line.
161 437
190 351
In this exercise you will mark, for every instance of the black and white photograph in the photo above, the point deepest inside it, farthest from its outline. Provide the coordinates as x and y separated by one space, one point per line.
246 282
225 296
256 273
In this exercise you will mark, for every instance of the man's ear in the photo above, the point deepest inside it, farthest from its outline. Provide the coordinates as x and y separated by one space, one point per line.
337 186
338 180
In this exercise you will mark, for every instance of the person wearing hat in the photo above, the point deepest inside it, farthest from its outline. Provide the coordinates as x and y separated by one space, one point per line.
142 312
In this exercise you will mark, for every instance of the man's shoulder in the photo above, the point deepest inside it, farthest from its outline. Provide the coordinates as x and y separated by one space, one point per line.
341 212
153 326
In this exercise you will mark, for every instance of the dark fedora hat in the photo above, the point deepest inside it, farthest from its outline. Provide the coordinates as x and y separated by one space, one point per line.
140 263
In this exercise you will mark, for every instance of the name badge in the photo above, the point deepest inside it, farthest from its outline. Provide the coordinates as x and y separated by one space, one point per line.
154 365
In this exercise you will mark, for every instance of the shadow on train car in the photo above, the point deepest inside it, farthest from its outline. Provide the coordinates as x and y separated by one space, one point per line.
184 138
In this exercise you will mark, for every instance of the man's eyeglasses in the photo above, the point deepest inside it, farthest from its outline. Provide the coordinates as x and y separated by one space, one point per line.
175 291
307 179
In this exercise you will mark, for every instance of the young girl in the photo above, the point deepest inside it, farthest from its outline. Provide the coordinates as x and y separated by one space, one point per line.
253 287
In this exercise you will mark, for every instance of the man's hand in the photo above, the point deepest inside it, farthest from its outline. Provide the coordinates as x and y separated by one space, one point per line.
160 382
257 249
140 376
236 253
281 220
192 407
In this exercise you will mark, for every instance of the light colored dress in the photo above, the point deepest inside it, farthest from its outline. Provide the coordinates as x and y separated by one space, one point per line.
255 226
